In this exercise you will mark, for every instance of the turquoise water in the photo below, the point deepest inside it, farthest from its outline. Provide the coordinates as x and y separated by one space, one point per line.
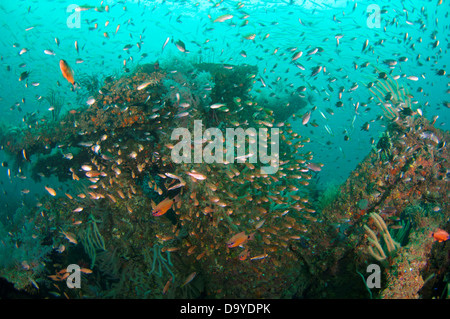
303 25
114 37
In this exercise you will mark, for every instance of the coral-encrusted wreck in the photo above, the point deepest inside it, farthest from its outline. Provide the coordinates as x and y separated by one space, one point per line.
114 157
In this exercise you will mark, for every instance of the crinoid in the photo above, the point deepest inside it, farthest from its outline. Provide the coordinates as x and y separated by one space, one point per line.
89 84
393 98
384 147
56 102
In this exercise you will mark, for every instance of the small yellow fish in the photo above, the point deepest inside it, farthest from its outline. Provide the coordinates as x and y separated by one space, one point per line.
250 36
70 237
51 191
144 85
259 224
259 257
166 287
86 271
366 43
189 278
196 175
86 168
224 17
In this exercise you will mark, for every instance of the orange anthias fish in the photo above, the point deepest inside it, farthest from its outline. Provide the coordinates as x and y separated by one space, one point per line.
67 72
239 239
440 235
162 207
166 287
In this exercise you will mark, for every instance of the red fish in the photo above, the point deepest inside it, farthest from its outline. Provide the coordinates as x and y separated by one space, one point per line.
243 255
440 235
239 239
162 207
67 72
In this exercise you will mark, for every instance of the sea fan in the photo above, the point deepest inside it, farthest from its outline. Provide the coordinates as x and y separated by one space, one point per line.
22 254
393 98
